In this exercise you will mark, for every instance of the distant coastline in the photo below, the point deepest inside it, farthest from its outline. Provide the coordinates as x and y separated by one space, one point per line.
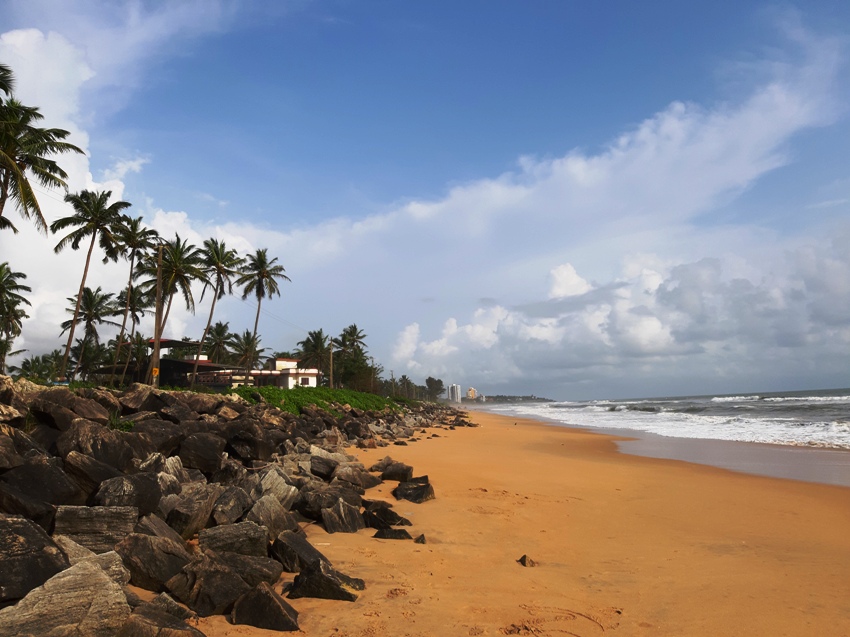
500 398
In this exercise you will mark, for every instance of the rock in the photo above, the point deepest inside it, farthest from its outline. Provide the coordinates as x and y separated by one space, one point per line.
81 601
231 505
268 512
9 457
323 467
140 397
14 502
28 557
178 414
392 534
245 538
166 604
52 414
246 440
342 518
273 482
150 621
413 492
193 508
419 539
156 526
526 561
102 397
98 529
110 561
320 580
141 490
263 608
97 441
88 472
357 476
397 471
251 568
207 586
151 560
294 552
314 500
200 403
165 436
41 478
379 515
73 551
202 451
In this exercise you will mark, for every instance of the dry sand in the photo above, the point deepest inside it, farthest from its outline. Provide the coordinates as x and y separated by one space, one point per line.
625 545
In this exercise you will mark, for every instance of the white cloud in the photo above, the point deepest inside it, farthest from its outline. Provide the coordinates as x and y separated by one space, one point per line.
567 282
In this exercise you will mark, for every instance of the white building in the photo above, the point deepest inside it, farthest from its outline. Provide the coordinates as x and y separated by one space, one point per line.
453 393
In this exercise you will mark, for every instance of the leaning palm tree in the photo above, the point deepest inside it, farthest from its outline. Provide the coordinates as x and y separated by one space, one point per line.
131 240
26 152
93 216
221 265
260 280
11 309
94 309
7 80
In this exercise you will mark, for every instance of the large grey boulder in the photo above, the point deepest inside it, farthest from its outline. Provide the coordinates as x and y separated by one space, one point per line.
98 529
152 560
28 557
263 608
81 601
245 538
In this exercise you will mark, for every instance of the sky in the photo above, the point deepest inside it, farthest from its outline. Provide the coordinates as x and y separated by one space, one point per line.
571 199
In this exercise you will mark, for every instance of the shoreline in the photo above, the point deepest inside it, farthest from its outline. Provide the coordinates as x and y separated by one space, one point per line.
820 465
623 544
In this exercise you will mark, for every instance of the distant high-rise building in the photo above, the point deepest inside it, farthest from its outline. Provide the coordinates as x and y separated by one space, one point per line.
472 393
453 393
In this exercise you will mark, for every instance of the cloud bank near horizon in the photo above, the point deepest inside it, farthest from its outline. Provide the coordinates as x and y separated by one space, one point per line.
604 273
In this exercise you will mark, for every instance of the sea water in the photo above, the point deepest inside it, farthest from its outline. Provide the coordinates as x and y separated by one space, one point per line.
800 418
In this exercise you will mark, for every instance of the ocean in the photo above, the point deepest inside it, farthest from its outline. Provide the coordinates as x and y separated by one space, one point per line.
800 418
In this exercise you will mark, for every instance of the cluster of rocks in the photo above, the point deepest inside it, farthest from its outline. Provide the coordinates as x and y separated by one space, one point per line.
200 498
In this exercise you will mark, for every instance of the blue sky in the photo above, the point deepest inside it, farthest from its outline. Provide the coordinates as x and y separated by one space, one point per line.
575 199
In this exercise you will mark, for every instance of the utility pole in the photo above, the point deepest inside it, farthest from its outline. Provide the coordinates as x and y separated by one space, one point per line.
157 330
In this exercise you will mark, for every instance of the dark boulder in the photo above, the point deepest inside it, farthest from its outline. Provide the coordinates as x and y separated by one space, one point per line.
342 518
231 505
313 500
414 492
15 502
42 478
9 456
149 620
320 580
193 508
397 471
294 552
323 467
273 481
268 512
178 414
263 608
156 526
140 397
98 529
28 557
202 451
97 441
164 435
246 440
88 472
245 538
251 568
379 515
392 534
207 586
141 490
200 403
151 560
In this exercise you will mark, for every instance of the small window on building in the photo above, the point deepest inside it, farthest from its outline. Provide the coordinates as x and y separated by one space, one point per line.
305 380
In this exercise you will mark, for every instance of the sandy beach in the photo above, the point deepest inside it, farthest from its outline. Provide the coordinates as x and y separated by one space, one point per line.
624 545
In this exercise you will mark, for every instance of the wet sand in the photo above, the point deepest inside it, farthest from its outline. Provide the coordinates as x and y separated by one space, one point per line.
625 545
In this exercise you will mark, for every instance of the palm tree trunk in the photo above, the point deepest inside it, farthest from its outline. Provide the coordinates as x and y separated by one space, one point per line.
124 321
77 308
203 338
256 323
4 192
129 353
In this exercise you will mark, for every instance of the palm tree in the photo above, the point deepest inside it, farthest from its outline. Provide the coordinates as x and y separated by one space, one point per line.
221 265
94 309
315 350
138 305
246 349
218 339
181 267
351 338
7 80
25 151
11 310
93 216
260 279
131 240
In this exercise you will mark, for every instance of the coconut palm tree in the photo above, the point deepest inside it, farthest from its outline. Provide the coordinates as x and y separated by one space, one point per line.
221 265
246 349
181 267
94 309
25 153
140 303
7 80
260 279
131 239
315 350
217 342
93 217
11 309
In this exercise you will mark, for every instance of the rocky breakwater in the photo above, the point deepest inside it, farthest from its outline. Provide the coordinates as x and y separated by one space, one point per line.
199 498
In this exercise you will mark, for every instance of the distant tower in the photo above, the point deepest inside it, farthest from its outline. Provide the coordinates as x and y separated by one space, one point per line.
472 393
453 393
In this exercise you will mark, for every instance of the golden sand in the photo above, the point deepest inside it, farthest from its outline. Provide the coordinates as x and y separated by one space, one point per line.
624 545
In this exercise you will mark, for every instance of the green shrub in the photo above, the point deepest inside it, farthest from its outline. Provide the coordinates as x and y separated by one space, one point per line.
292 400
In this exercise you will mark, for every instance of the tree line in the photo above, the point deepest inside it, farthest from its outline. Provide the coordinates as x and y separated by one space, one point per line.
159 271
